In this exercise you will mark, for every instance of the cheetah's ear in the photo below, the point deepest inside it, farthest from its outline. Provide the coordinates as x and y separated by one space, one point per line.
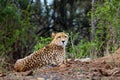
53 35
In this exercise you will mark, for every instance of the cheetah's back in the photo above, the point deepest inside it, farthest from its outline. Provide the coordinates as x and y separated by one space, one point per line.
51 54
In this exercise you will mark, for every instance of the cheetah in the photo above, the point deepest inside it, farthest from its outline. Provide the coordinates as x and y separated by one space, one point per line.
53 53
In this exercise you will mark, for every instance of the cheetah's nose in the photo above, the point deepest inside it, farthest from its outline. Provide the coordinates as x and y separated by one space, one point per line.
63 42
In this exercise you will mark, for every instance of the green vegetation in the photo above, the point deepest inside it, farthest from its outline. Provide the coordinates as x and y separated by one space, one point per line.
16 31
42 42
107 37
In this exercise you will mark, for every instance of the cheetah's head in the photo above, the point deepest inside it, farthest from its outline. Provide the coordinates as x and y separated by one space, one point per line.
60 39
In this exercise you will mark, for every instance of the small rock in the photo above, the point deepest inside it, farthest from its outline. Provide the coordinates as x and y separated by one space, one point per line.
1 74
85 60
115 71
62 66
105 72
40 79
33 79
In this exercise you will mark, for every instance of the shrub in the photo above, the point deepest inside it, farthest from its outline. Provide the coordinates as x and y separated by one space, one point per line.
42 42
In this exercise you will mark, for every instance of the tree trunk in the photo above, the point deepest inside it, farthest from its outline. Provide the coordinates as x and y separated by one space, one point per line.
93 54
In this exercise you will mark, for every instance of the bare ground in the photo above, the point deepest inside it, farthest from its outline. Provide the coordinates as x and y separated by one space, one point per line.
105 68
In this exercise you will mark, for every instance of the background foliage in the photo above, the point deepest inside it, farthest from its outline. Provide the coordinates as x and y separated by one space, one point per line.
107 29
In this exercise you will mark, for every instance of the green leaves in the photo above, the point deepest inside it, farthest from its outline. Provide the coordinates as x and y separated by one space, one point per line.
17 32
42 42
108 27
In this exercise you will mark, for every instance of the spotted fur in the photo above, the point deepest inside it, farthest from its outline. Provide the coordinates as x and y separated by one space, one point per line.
54 53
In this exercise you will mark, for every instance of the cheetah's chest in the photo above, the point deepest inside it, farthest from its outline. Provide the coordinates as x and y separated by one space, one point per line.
59 57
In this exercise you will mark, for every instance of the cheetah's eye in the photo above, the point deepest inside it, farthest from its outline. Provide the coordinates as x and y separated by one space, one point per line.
65 36
59 36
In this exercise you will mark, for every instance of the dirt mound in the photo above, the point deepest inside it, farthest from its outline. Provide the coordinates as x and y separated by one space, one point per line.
113 58
107 67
